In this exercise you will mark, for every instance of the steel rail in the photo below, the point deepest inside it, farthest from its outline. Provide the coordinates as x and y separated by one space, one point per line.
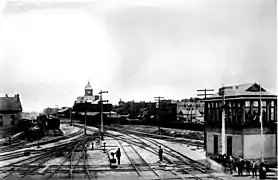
36 159
39 165
85 165
79 158
132 163
194 176
144 160
39 155
70 155
189 159
52 173
173 155
170 152
167 138
154 152
16 147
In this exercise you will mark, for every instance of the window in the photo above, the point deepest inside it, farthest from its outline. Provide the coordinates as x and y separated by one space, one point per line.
215 143
255 113
229 112
247 111
1 120
264 111
272 111
239 112
229 146
247 103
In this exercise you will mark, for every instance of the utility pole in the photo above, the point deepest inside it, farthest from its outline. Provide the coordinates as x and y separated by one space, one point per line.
101 112
70 118
158 117
205 94
223 131
262 130
85 123
204 90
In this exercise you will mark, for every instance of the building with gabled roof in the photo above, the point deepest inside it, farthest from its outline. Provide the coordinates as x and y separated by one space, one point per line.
88 106
243 106
10 112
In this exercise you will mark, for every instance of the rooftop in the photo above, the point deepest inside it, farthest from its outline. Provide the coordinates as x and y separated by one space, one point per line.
10 103
242 90
88 86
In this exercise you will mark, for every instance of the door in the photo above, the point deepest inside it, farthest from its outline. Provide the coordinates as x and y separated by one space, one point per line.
229 145
215 144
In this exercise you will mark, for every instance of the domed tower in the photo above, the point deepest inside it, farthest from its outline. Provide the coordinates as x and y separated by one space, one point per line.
88 90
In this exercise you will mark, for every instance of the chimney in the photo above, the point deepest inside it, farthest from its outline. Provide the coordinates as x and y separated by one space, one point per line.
17 96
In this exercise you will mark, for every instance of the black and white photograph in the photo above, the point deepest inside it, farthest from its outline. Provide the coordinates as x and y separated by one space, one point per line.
138 89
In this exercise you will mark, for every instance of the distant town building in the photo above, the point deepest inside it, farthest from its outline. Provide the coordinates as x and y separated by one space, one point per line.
242 123
64 112
50 111
10 112
190 111
136 109
89 105
89 97
167 111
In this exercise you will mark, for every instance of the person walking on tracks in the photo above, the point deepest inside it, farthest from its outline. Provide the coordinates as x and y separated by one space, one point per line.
118 155
160 152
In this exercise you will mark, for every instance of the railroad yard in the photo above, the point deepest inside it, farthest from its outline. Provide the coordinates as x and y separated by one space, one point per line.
74 157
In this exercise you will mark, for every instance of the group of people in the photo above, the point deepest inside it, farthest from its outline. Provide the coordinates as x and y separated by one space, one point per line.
240 164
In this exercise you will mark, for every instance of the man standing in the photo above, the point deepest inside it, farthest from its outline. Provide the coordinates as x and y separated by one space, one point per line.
231 163
254 169
160 152
248 167
118 155
240 166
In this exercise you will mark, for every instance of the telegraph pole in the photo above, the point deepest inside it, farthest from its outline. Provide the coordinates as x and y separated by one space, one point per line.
262 130
101 111
205 94
158 118
204 90
70 118
223 131
85 113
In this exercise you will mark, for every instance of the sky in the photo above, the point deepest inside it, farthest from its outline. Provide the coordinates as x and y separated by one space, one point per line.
136 50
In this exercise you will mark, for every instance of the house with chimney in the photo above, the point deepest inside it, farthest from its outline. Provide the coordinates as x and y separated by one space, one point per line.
10 112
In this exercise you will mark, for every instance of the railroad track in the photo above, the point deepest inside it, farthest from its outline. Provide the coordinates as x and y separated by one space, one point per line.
186 165
139 164
196 170
167 138
22 145
32 164
38 159
81 155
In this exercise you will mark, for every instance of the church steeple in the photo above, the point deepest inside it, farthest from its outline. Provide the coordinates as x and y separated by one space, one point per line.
88 89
